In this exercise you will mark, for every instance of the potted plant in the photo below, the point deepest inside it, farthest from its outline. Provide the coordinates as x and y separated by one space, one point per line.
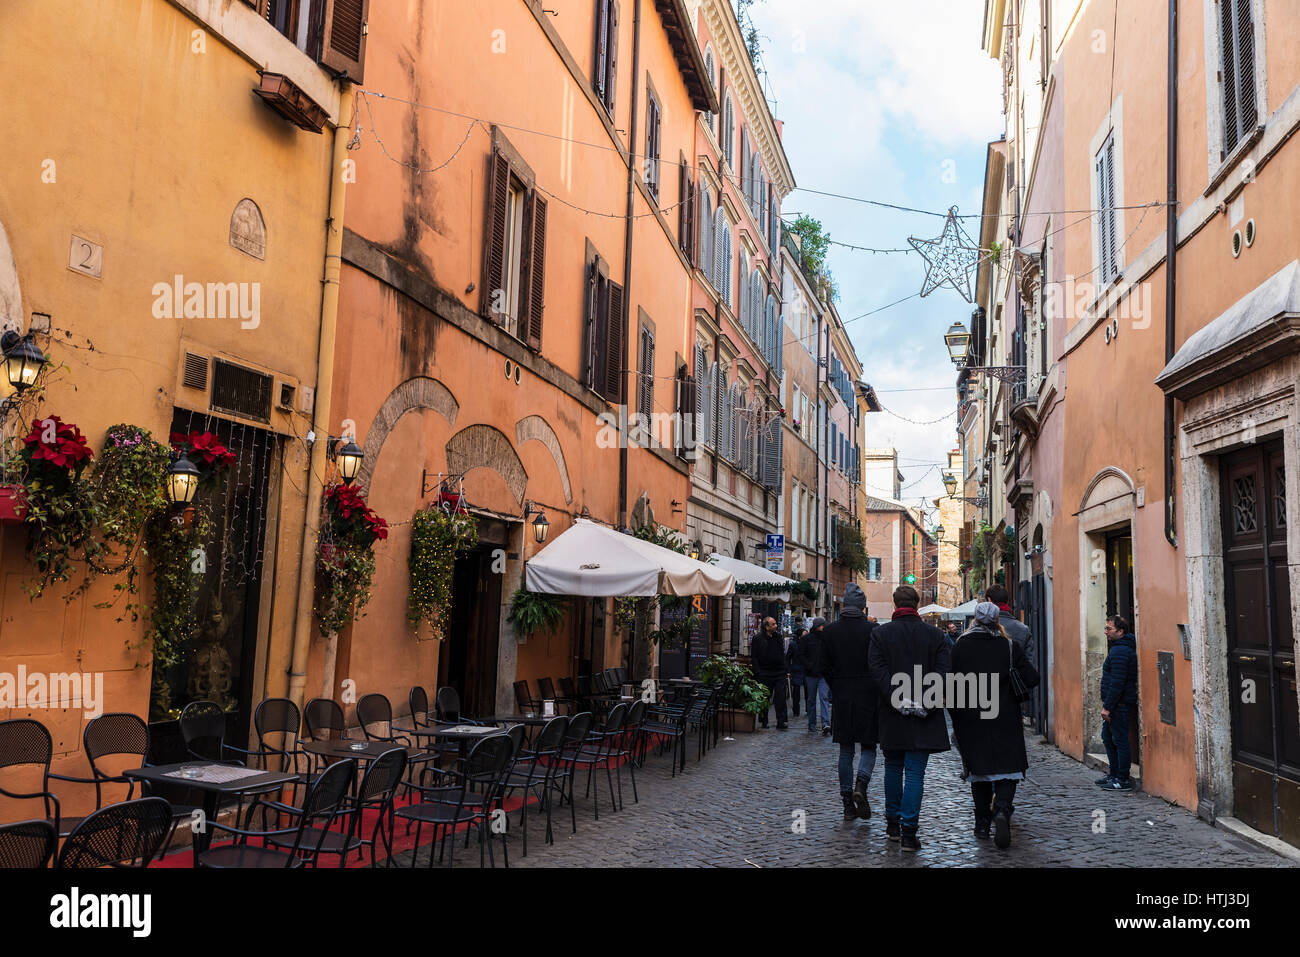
61 511
748 698
347 560
450 499
13 495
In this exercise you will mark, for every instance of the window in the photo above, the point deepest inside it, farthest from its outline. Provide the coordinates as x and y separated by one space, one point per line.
652 144
835 442
602 77
687 403
873 569
722 256
514 254
686 211
337 37
729 133
1237 46
704 260
645 393
603 330
1107 243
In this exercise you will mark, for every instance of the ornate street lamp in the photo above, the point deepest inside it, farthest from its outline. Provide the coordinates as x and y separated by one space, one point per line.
957 340
23 361
950 483
541 527
938 534
349 458
182 481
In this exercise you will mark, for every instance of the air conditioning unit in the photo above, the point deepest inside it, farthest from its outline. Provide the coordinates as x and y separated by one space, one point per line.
231 387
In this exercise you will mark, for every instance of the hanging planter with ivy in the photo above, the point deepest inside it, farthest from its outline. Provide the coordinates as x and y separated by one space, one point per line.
533 612
438 536
347 558
61 509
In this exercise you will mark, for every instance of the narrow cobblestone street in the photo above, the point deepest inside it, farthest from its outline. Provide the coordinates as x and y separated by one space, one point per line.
739 807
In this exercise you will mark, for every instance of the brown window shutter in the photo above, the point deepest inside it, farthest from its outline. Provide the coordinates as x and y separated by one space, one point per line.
744 160
648 376
343 49
682 217
494 234
615 353
536 275
602 49
612 68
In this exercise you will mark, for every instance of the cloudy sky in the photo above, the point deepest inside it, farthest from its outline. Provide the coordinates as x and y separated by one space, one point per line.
893 102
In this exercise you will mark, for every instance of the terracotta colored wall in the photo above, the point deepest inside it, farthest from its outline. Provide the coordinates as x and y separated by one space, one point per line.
153 143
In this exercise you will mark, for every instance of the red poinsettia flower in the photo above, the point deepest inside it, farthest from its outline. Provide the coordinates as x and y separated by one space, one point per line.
203 449
58 444
351 515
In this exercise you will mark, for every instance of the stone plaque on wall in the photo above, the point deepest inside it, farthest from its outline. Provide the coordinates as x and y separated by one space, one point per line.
1165 672
248 229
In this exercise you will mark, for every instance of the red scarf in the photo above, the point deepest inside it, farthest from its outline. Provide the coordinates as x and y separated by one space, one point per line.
1004 607
903 613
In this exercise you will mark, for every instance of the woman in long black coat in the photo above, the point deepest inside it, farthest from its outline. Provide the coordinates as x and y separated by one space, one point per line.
992 748
845 644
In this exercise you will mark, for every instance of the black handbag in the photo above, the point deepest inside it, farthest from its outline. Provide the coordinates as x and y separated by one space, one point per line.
1019 690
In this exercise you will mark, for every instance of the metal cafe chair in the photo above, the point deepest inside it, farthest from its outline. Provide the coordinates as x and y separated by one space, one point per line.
203 730
533 771
325 798
472 800
597 750
376 709
524 699
446 704
377 793
27 845
27 742
128 834
575 738
418 699
547 688
321 716
569 693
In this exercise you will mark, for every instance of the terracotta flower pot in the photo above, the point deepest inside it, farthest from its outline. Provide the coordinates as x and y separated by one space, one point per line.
13 504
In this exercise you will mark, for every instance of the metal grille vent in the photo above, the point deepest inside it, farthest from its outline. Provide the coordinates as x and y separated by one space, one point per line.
240 391
196 371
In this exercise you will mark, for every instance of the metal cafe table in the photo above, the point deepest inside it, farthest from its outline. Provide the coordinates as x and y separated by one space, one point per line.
462 734
216 781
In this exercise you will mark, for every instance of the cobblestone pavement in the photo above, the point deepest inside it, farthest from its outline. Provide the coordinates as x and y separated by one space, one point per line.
739 807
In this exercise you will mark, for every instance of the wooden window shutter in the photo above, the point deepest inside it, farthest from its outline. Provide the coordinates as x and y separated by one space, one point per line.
745 179
683 215
614 354
601 71
648 376
1237 36
494 235
536 274
593 336
612 65
1113 258
343 46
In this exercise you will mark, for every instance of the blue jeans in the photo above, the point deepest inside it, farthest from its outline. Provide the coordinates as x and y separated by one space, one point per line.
819 691
866 764
903 800
1114 735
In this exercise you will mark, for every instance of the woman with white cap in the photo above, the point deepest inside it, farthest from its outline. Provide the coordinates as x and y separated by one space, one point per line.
989 732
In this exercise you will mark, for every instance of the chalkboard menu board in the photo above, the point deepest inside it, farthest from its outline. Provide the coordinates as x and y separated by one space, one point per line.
702 608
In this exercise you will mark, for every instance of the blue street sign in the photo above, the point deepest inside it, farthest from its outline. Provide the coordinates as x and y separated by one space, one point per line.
776 543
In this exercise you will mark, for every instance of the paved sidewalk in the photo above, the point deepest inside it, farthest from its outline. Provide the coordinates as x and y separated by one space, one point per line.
744 804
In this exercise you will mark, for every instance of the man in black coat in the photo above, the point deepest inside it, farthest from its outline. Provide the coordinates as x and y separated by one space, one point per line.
845 646
1118 696
767 651
902 650
819 704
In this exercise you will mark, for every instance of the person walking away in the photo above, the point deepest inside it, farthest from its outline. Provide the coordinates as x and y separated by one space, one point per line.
990 736
819 705
846 644
768 653
909 733
1118 696
1016 629
794 664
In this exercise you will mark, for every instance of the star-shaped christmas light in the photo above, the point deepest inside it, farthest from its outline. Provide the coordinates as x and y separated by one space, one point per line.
949 258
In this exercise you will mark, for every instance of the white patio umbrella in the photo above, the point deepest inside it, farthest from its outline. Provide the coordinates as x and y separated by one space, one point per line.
962 611
593 561
932 610
747 573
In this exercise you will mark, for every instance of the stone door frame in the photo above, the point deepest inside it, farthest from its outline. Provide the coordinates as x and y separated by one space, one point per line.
1254 408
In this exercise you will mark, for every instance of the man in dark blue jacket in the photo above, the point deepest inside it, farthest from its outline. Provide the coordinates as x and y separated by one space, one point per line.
1118 697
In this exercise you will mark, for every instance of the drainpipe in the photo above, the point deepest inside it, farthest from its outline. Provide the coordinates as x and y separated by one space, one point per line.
627 259
1171 269
321 420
